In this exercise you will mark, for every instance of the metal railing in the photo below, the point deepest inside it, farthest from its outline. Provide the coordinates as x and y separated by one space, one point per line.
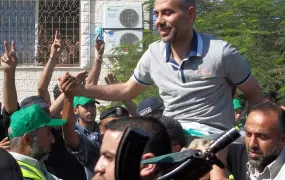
32 24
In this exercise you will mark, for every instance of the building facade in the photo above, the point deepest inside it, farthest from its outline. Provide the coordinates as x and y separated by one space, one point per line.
32 24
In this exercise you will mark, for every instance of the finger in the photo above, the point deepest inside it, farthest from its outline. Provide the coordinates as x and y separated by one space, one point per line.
5 139
65 79
71 85
56 35
97 36
66 83
13 46
107 80
60 78
6 147
6 46
110 76
6 143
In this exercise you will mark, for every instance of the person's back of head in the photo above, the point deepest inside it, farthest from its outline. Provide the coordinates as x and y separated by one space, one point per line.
270 97
110 114
175 132
158 144
150 107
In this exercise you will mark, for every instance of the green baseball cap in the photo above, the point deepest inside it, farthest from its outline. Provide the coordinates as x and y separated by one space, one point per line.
81 100
29 119
236 104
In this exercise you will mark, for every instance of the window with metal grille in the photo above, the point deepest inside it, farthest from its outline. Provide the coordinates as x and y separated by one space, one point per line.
32 24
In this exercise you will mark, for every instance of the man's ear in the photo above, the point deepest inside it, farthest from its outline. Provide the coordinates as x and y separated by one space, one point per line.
148 170
101 128
75 110
192 14
27 139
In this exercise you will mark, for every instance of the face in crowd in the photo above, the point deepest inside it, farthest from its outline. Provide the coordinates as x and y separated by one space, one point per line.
41 142
264 138
174 19
87 112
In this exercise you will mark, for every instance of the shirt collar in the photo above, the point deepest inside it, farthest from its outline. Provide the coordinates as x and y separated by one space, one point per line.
273 167
25 159
82 129
196 47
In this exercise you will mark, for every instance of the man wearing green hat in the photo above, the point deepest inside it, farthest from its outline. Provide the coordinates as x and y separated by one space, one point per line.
31 141
85 110
81 138
238 109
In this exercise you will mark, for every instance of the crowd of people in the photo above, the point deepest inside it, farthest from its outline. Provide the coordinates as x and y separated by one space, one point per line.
197 76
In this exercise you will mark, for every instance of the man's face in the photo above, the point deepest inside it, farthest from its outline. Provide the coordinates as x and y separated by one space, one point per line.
41 143
238 114
105 167
263 138
173 20
86 112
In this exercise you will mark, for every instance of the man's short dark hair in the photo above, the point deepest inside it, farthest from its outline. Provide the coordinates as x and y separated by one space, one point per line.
56 92
159 142
268 107
174 130
188 3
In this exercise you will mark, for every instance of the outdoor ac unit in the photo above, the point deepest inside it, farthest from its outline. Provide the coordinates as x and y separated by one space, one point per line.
123 16
115 38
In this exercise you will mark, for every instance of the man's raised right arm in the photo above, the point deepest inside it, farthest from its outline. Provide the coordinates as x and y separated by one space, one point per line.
9 62
112 92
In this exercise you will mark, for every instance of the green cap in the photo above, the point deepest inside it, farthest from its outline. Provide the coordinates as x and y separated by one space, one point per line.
29 119
81 100
236 104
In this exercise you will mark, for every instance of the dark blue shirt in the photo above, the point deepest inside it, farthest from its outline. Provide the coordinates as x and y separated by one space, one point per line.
88 152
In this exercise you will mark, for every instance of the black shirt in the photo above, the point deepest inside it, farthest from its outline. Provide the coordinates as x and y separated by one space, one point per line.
61 163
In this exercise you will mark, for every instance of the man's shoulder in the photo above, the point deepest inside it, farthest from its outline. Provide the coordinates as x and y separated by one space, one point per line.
212 41
157 46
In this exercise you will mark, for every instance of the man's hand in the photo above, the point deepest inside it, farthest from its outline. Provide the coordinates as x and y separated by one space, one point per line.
68 84
5 144
111 79
56 47
81 76
99 47
9 60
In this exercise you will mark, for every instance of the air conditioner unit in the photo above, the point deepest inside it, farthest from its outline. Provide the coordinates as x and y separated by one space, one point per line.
123 16
115 38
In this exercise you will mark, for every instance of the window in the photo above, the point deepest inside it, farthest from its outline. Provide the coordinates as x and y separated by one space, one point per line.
32 24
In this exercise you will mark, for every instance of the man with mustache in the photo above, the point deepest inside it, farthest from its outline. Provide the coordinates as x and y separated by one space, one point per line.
263 155
31 140
195 73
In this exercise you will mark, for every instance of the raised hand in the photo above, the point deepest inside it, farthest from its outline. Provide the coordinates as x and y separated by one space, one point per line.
111 79
9 59
56 47
81 76
68 84
99 47
5 144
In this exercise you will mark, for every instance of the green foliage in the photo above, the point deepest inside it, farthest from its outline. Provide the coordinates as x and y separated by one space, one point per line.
255 27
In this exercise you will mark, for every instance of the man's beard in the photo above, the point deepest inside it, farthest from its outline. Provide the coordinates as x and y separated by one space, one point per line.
263 161
37 152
